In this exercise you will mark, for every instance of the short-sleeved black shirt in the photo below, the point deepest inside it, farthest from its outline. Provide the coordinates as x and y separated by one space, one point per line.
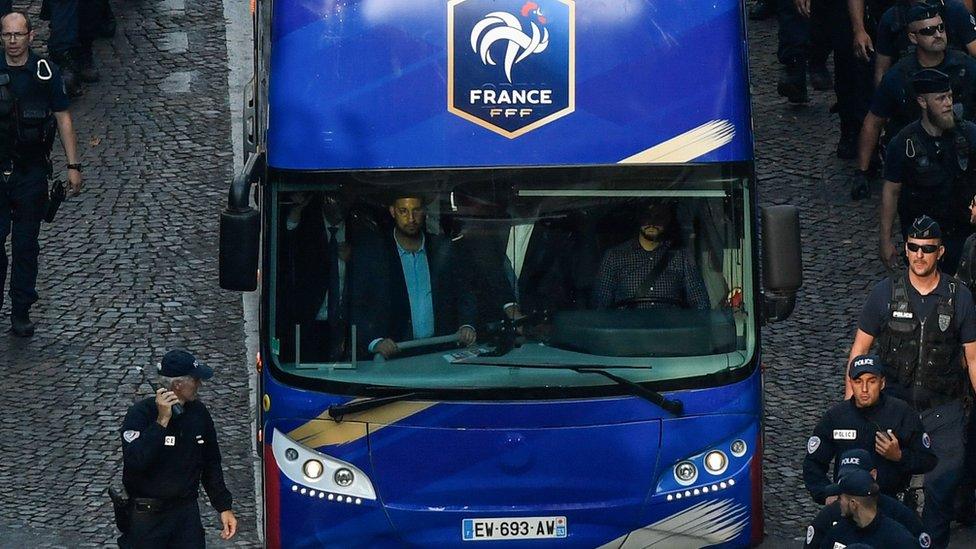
893 41
875 311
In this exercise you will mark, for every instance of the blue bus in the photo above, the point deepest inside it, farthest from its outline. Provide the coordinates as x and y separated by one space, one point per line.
508 259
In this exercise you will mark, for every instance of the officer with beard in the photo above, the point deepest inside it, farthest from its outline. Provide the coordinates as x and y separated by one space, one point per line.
928 171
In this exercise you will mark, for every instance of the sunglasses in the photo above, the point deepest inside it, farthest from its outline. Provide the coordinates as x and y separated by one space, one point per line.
926 248
931 30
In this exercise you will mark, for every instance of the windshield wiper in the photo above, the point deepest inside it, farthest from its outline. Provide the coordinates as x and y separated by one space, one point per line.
338 411
674 406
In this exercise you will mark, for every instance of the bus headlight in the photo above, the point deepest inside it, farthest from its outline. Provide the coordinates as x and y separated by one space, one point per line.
739 448
715 462
319 475
313 469
343 477
685 473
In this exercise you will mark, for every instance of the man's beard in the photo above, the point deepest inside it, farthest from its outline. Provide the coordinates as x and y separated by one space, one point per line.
944 121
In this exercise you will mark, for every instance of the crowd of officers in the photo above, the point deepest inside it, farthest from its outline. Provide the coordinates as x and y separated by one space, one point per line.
907 409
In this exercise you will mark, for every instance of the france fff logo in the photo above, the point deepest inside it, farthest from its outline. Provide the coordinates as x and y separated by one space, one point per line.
511 64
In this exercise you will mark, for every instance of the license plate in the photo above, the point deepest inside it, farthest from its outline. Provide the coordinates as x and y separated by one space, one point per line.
491 529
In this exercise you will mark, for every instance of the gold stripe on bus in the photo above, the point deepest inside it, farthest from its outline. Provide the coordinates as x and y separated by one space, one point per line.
687 146
324 431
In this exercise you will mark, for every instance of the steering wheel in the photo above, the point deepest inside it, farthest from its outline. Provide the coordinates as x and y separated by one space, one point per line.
636 302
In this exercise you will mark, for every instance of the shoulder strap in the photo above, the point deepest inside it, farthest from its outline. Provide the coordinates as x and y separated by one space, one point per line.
899 292
652 276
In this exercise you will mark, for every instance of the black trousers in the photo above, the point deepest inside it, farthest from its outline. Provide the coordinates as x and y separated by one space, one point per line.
829 21
23 203
178 528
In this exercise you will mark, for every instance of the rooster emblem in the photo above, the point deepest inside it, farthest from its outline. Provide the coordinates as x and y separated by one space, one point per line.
502 26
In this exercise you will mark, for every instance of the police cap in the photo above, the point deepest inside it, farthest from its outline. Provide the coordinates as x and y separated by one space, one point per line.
855 459
179 363
930 81
857 482
925 228
864 364
922 11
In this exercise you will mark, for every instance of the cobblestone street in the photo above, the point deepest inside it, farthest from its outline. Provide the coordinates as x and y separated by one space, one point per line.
127 271
130 269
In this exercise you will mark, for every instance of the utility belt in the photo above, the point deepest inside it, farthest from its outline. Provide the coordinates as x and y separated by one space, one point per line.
158 505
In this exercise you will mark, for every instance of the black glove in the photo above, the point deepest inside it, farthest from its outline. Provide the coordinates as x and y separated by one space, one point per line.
860 185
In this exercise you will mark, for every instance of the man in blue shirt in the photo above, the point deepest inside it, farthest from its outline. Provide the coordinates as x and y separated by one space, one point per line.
414 272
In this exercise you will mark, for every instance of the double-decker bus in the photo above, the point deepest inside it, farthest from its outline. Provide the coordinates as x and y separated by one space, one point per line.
507 254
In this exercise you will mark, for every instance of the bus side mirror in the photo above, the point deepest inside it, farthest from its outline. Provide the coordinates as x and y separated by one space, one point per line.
240 231
781 261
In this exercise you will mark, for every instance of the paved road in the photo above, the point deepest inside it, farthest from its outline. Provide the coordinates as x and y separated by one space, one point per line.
129 270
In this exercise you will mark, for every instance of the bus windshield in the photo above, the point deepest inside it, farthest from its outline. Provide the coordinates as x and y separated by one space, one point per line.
422 279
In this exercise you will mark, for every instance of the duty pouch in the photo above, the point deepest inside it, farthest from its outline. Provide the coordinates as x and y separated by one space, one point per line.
35 129
54 200
122 507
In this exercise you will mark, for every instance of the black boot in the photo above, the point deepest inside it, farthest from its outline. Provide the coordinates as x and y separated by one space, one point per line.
820 79
792 83
849 134
20 323
762 9
68 62
86 66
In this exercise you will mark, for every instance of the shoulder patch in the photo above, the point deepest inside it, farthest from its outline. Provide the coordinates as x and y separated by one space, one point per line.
926 440
129 436
813 444
810 533
839 545
924 540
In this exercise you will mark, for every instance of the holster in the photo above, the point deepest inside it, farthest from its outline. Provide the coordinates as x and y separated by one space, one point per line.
121 505
54 200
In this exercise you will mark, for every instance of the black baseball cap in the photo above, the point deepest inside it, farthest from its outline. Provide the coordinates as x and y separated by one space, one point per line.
857 459
179 363
863 364
856 482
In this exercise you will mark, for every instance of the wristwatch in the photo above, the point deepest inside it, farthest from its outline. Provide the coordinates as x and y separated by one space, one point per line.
74 167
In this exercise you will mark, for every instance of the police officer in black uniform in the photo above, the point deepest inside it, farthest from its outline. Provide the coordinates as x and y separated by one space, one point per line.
894 105
33 106
863 521
925 326
830 515
169 445
929 169
884 426
893 41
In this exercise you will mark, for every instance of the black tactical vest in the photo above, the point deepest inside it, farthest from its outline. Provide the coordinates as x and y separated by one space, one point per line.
937 181
922 352
35 122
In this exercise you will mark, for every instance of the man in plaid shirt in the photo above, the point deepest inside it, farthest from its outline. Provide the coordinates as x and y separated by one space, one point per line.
650 271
